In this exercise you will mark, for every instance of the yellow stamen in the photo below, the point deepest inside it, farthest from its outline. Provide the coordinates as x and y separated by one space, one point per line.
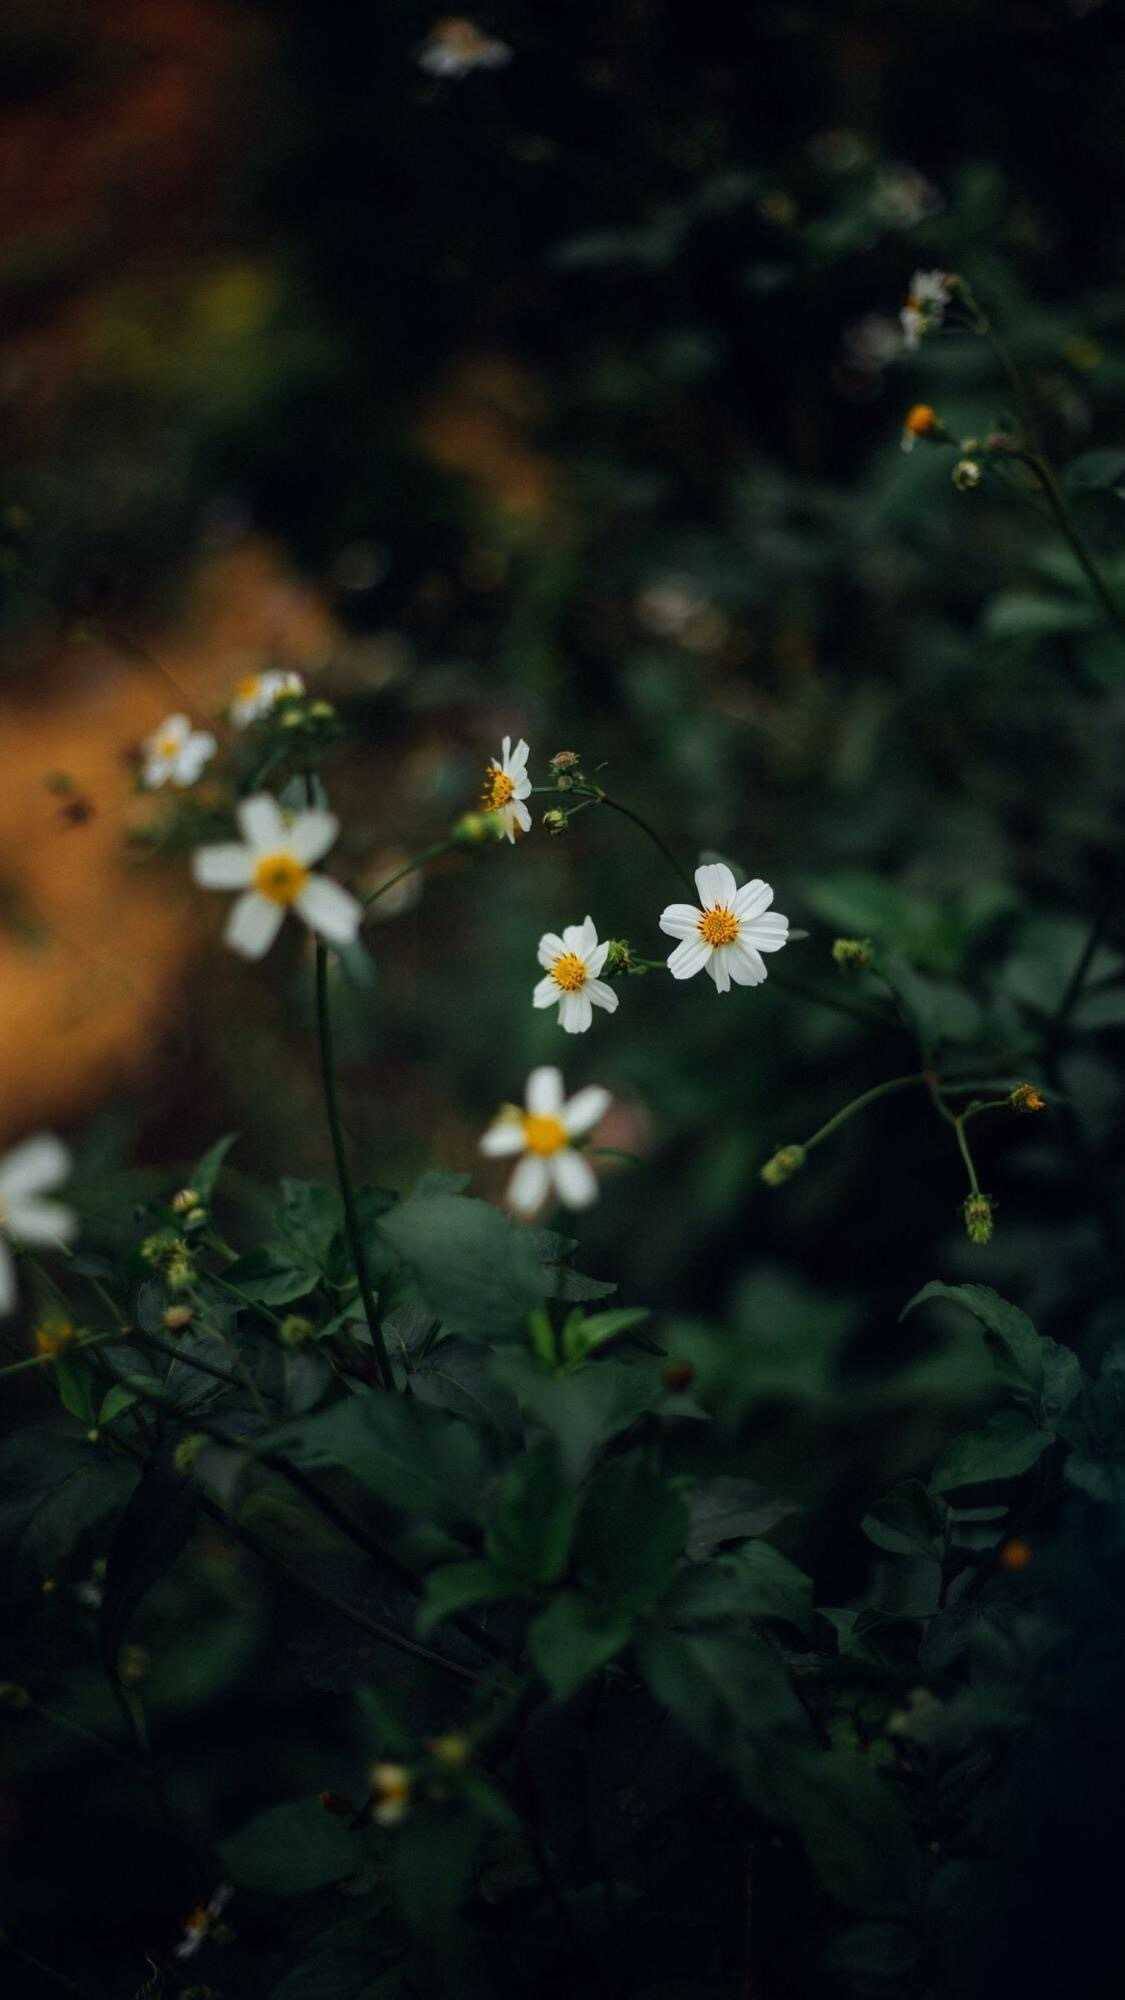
248 689
543 1134
498 789
280 877
719 926
168 746
569 972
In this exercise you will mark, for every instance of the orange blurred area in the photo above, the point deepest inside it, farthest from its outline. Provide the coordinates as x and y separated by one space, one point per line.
98 941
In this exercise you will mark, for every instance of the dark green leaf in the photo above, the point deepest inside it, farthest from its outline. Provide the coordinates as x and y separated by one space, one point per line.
272 1276
477 1270
1008 1444
529 1535
455 1587
206 1171
153 1530
630 1536
417 1459
290 1849
572 1639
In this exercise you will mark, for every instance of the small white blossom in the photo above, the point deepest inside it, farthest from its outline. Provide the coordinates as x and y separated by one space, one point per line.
455 46
271 865
572 963
30 1171
506 786
929 295
258 693
543 1134
729 933
202 1921
176 753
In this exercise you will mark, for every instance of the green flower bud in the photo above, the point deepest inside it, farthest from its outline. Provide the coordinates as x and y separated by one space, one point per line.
179 1271
185 1200
322 711
476 829
977 1211
966 475
852 954
619 957
294 1331
177 1317
787 1161
554 821
159 1248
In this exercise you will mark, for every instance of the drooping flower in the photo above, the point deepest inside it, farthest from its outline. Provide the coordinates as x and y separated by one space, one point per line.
929 295
176 753
542 1133
572 963
455 46
729 933
258 693
506 786
32 1170
271 865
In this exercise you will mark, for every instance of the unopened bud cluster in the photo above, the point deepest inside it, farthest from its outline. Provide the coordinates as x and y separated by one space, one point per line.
852 954
977 1212
1027 1097
787 1161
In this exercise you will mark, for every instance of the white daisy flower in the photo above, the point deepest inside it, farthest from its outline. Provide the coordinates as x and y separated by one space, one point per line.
543 1134
729 933
29 1172
258 693
455 46
176 752
506 786
572 963
930 292
272 867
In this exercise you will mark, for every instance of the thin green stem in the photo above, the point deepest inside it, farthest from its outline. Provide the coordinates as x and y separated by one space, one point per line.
1053 494
45 1360
343 1172
421 860
861 1102
615 805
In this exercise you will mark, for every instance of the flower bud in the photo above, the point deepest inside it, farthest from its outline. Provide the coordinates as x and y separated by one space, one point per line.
294 1330
475 829
966 475
53 1336
921 421
186 1200
179 1272
852 954
787 1161
1027 1097
1014 1554
554 821
564 760
321 711
977 1211
291 717
177 1317
391 1786
159 1248
619 957
452 1751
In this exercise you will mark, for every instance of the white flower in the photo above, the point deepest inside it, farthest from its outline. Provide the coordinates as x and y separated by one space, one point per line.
729 933
506 786
202 1921
543 1134
573 962
455 46
272 869
177 752
930 292
258 693
32 1170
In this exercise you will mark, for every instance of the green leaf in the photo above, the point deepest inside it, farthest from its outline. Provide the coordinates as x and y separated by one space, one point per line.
77 1386
582 1335
529 1535
582 1410
289 1850
432 1858
908 1522
572 1639
153 1530
206 1171
1050 1373
727 1689
456 1586
309 1217
752 1582
939 1011
630 1536
1100 471
478 1271
855 1827
420 1460
731 1510
272 1276
1007 1445
1018 614
115 1402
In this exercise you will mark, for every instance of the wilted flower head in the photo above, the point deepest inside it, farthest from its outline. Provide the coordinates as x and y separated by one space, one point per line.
852 954
30 1171
542 1133
967 475
929 295
455 46
1027 1097
176 753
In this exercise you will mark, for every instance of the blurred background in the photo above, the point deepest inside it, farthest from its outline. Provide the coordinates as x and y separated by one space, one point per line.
559 396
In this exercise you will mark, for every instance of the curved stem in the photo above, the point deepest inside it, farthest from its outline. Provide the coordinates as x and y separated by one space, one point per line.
658 842
421 860
860 1103
1053 494
343 1172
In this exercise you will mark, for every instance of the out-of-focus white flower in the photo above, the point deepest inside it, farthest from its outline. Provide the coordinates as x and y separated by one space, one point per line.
391 1786
455 46
542 1134
872 343
902 197
729 933
32 1170
202 1921
271 865
572 963
506 786
176 753
929 295
258 693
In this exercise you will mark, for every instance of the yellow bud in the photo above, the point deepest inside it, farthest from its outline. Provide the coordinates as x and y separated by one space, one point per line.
852 954
186 1199
1026 1097
787 1161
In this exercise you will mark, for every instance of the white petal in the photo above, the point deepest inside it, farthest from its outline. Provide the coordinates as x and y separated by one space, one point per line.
253 925
718 965
503 1138
716 885
155 773
544 1094
546 993
514 763
330 910
505 752
508 823
572 938
589 935
687 958
768 932
743 964
520 815
551 947
262 824
575 1012
175 728
196 752
38 1163
602 995
227 866
530 1183
29 1220
585 1108
7 1280
523 788
574 1178
680 920
752 899
596 959
312 834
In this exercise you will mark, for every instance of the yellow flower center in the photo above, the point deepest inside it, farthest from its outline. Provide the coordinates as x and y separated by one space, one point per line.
719 926
498 789
248 689
920 420
168 746
280 877
569 972
543 1134
53 1336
